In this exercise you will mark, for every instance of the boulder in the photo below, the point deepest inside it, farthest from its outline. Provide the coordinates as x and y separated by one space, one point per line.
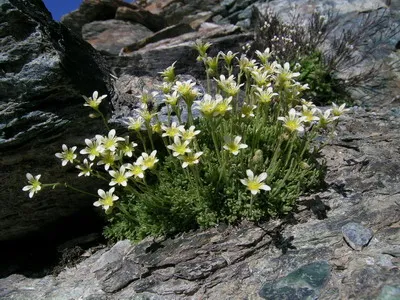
141 16
93 10
45 70
155 57
110 36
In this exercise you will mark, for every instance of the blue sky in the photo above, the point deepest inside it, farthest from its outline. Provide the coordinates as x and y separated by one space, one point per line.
59 8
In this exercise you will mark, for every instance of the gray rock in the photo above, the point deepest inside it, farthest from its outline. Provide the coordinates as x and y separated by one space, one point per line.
166 33
356 235
110 36
155 57
45 69
303 283
389 293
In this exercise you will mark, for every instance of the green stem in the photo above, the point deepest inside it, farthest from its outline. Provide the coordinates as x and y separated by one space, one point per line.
78 190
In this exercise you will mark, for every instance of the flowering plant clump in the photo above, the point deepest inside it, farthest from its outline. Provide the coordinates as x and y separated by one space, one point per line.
248 150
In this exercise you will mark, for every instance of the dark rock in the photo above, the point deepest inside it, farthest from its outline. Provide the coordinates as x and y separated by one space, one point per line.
356 235
303 283
45 70
111 36
141 16
93 10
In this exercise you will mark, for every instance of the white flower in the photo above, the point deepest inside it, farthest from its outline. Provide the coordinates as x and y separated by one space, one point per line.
135 123
190 159
292 122
207 105
67 155
309 114
109 142
173 130
137 168
223 105
234 145
93 101
228 85
172 99
265 95
106 199
255 183
120 177
178 147
127 147
93 149
34 185
148 161
228 57
263 56
86 168
189 134
326 118
338 111
107 159
247 110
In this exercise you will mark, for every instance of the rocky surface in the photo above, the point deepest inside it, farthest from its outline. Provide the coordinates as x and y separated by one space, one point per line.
44 71
110 36
307 252
340 243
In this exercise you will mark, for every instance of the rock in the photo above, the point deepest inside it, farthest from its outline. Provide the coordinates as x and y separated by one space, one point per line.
45 70
157 7
93 10
191 265
303 283
166 33
174 12
110 36
356 235
249 261
155 57
389 293
141 16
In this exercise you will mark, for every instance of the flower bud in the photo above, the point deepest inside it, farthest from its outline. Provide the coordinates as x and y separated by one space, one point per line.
258 158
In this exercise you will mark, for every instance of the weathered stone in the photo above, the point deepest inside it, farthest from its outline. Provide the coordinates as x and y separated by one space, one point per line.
45 71
356 235
166 33
232 263
93 10
157 7
141 16
303 283
111 36
389 293
155 57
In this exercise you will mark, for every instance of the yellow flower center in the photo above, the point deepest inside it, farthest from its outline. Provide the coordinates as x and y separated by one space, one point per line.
254 185
181 149
107 201
292 125
120 178
172 131
137 170
149 162
233 147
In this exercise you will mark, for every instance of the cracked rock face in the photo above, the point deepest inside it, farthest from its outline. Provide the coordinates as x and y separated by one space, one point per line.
44 70
303 256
